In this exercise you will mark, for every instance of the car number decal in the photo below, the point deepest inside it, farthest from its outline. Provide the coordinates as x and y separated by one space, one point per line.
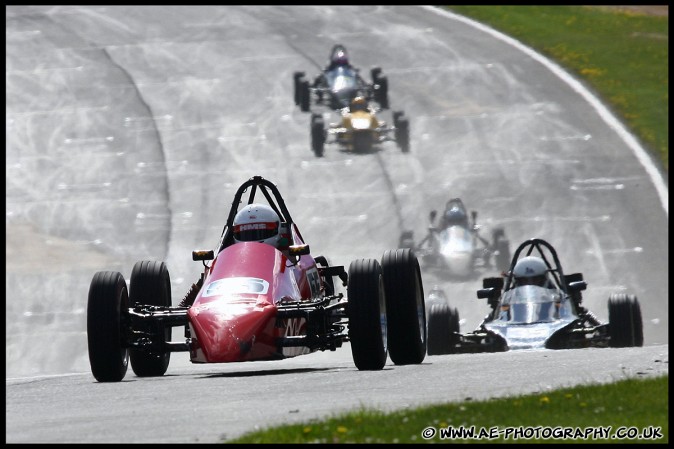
237 285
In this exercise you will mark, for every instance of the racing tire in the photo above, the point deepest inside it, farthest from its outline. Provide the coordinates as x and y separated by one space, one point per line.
406 239
496 234
375 73
625 325
367 314
443 329
150 284
403 132
297 77
317 135
106 326
396 118
502 256
304 96
405 306
327 280
381 92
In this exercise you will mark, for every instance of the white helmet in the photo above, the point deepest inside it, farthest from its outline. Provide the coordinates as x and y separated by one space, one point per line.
257 223
530 270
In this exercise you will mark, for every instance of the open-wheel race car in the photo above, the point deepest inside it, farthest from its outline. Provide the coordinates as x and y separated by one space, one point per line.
359 130
536 305
454 248
338 84
258 301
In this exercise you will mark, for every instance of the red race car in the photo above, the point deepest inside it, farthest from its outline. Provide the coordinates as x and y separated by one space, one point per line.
261 296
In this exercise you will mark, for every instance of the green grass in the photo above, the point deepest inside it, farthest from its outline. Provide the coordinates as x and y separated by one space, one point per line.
619 404
621 55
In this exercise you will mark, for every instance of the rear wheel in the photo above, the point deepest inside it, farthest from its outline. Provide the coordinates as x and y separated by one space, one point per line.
406 239
502 255
381 92
304 97
396 117
106 326
317 135
625 321
297 77
403 134
405 306
367 314
443 329
322 261
150 285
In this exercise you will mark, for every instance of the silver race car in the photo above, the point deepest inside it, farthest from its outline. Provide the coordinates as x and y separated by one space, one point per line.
534 306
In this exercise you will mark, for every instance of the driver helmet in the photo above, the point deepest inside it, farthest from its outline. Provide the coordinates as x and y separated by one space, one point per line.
530 270
358 104
339 57
455 216
257 223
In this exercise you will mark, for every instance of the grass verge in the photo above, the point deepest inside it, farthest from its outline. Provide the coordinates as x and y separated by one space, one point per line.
607 413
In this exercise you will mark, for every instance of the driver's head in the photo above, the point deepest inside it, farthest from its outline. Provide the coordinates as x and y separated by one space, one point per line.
339 57
257 223
455 216
358 104
530 270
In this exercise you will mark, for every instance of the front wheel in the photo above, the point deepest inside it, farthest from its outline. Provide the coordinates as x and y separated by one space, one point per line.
405 306
107 304
367 314
317 135
150 285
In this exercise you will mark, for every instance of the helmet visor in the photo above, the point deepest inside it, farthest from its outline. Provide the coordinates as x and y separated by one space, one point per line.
251 232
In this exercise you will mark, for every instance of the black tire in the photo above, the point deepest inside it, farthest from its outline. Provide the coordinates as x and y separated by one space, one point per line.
317 135
150 284
406 240
362 141
367 314
443 321
496 234
625 321
305 96
106 327
297 77
502 256
329 282
405 306
381 92
396 117
403 134
375 73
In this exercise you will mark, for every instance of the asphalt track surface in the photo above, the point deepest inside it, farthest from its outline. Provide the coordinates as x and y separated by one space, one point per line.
130 128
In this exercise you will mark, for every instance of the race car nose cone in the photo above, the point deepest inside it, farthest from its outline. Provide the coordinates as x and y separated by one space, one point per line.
234 333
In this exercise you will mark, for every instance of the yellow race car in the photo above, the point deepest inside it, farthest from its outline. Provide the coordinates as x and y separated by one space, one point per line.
359 130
